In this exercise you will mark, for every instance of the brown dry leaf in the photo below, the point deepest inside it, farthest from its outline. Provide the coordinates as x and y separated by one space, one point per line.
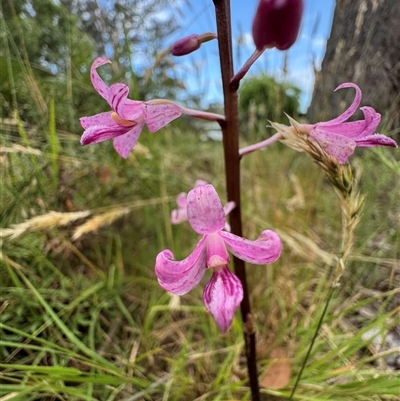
278 373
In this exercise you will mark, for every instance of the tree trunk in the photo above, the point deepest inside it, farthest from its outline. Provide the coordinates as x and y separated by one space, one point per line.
364 48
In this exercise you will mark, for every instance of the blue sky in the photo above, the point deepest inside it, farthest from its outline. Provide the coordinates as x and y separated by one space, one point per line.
200 70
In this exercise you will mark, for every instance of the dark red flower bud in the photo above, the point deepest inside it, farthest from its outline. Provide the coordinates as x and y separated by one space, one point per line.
277 23
185 45
190 43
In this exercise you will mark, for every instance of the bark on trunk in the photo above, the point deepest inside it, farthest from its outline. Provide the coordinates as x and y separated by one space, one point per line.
364 48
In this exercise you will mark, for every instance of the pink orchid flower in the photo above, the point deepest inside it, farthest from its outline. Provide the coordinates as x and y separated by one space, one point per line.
223 293
340 138
179 215
126 120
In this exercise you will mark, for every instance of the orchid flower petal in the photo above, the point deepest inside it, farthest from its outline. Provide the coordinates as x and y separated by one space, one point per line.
123 144
229 207
98 84
265 249
352 108
376 140
357 128
157 116
100 133
372 120
199 183
222 296
337 145
103 119
117 95
178 216
205 212
127 109
181 200
132 110
217 255
180 277
350 129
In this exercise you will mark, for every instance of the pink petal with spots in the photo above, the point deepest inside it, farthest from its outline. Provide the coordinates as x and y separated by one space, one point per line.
181 277
372 120
157 116
199 183
117 96
100 133
205 212
181 200
98 84
132 110
127 109
353 107
98 119
124 144
376 140
336 145
349 130
229 207
265 249
222 296
178 216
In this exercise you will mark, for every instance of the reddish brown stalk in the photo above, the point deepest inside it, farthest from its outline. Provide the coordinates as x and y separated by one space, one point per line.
230 130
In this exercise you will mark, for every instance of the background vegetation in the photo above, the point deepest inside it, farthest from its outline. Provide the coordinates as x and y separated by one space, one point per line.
82 316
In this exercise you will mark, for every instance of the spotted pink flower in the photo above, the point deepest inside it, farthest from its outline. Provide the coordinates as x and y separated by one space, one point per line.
179 215
126 120
340 138
223 293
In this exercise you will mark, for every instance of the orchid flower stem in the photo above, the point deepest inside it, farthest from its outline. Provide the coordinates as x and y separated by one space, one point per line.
206 37
260 145
235 81
203 114
230 131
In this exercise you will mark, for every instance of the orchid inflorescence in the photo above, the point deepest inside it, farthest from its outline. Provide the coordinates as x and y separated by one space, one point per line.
276 24
223 293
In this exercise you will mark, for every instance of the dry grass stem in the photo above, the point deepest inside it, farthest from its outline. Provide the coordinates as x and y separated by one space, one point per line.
306 247
15 148
43 222
98 221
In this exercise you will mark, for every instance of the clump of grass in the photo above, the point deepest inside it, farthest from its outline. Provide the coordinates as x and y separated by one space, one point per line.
109 332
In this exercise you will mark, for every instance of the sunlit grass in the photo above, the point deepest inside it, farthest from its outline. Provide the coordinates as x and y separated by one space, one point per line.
86 319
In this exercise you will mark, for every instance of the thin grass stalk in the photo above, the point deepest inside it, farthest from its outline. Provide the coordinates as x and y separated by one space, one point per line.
230 131
319 324
351 204
8 60
24 60
54 143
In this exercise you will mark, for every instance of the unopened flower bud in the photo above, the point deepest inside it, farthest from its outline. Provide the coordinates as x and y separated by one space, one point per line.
190 43
185 45
276 23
